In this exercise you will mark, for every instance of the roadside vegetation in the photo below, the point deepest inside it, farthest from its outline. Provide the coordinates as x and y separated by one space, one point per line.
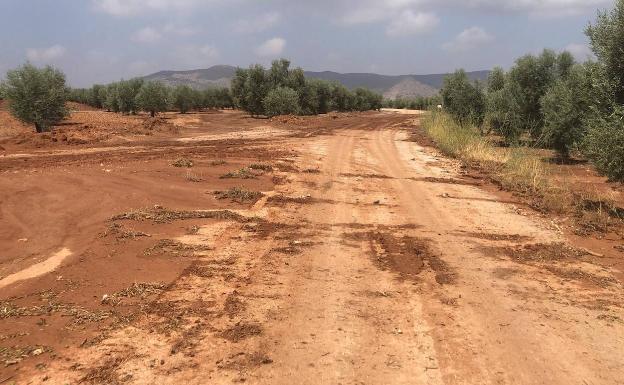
548 101
551 101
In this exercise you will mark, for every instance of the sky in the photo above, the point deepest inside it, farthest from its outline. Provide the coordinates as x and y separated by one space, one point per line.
98 41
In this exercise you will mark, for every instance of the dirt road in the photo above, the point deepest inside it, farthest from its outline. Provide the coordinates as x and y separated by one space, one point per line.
373 261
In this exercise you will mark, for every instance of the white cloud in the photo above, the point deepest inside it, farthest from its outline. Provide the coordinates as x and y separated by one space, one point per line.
45 54
410 23
272 47
536 6
468 39
351 12
257 24
135 7
195 56
151 35
146 35
371 11
581 52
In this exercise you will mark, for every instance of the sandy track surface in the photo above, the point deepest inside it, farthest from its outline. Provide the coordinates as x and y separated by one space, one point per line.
374 262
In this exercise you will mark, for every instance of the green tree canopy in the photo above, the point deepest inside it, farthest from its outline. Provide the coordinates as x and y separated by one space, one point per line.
183 98
606 38
281 101
565 106
37 96
152 97
463 99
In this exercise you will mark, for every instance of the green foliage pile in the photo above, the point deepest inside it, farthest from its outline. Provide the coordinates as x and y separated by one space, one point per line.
256 89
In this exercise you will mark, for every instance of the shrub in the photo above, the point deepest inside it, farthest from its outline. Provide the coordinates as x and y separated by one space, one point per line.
37 96
152 97
281 101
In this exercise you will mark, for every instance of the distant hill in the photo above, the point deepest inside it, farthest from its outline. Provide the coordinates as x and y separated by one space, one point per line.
390 86
410 88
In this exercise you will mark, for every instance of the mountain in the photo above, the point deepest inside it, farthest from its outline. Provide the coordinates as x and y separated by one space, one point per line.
390 86
410 88
217 76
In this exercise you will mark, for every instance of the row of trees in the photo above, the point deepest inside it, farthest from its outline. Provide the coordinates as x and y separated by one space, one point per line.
282 90
131 96
417 103
37 95
551 101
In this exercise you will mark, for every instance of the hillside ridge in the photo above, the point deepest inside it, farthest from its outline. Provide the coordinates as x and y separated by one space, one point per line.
392 86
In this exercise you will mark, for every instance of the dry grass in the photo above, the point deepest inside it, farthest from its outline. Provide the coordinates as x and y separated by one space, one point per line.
183 162
193 177
238 194
261 167
160 214
243 173
520 170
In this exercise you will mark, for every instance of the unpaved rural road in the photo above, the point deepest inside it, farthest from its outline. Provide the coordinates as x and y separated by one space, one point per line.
382 264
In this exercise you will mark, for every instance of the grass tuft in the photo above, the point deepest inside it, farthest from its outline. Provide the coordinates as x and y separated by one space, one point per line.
182 163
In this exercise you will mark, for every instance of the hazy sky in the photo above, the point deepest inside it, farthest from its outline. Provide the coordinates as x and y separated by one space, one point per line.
104 40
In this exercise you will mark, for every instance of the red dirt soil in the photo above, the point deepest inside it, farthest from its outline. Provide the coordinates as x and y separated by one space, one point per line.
367 259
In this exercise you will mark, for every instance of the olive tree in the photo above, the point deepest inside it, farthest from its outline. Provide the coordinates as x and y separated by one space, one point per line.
36 95
256 89
463 99
565 106
127 91
152 97
606 37
604 142
183 98
281 101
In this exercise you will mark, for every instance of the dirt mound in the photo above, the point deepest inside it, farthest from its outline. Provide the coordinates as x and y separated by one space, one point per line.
9 126
82 127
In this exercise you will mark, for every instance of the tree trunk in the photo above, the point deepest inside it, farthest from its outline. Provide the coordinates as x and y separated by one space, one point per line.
152 113
39 128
